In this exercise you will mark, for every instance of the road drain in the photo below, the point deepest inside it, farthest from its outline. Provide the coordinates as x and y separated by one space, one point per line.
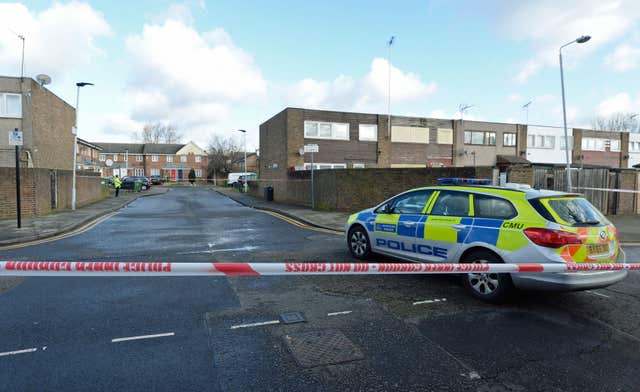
317 348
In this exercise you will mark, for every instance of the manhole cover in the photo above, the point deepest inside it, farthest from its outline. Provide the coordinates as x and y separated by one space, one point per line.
319 348
292 317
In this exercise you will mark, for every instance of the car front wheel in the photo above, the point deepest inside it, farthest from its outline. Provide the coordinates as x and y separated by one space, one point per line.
489 287
358 241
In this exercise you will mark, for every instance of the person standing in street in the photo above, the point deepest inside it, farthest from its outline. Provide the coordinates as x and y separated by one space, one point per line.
116 184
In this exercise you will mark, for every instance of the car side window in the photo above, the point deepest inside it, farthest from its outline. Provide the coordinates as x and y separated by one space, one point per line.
409 203
451 204
493 207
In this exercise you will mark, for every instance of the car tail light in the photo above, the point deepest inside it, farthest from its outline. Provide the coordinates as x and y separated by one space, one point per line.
552 238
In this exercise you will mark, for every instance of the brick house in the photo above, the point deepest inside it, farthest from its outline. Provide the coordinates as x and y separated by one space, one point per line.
172 161
602 148
46 122
359 140
87 155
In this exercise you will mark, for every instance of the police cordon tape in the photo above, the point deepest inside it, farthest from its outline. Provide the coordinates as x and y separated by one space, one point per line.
119 268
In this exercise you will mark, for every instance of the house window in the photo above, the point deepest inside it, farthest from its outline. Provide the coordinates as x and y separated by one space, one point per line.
169 158
368 132
307 166
480 138
404 134
115 157
154 158
139 172
358 165
10 105
155 172
549 141
563 144
531 140
326 130
183 158
508 139
198 172
445 136
102 157
198 158
615 145
138 158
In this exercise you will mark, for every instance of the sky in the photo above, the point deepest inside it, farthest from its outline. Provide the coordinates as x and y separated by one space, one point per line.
213 67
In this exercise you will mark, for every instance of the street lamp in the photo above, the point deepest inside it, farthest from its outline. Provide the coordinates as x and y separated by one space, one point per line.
245 159
75 143
579 40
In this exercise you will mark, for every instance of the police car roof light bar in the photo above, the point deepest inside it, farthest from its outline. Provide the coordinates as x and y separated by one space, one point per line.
458 181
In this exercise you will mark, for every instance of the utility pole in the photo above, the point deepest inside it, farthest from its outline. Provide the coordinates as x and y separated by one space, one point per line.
389 87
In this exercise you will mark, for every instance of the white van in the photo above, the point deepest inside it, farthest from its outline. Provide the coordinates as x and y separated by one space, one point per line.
232 179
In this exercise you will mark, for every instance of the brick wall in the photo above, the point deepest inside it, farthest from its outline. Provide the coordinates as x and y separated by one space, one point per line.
520 175
356 189
35 189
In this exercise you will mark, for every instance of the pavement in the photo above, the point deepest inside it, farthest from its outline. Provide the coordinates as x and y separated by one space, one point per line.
323 219
64 221
374 333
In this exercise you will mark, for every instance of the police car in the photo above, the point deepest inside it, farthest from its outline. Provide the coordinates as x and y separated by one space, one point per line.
469 221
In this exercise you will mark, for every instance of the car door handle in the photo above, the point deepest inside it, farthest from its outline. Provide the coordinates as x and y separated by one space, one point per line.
458 226
409 224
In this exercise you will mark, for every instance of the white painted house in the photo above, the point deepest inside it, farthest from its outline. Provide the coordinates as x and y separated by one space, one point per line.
545 144
634 149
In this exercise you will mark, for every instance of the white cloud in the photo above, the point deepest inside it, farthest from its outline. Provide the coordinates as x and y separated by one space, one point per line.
548 24
188 78
438 113
619 103
58 40
368 93
624 58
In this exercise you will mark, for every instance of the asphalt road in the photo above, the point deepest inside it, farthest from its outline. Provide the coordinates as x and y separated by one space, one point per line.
217 333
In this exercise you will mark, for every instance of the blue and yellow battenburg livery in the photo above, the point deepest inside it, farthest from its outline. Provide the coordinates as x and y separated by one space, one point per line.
443 223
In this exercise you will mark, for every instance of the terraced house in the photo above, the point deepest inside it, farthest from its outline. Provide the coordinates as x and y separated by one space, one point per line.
171 161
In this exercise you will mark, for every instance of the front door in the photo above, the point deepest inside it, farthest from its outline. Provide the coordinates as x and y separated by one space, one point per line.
394 232
179 174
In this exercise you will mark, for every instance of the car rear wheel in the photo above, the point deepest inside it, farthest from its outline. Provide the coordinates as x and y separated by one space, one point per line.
489 287
359 244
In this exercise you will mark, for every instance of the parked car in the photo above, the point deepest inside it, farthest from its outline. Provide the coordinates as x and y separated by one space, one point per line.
232 178
128 182
157 180
467 221
249 177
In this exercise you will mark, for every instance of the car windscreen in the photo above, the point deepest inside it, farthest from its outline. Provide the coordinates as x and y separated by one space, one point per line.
576 211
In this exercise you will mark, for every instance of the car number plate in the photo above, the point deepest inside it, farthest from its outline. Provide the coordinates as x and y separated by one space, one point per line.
597 249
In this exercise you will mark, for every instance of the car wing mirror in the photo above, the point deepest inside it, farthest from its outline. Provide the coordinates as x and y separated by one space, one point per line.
387 209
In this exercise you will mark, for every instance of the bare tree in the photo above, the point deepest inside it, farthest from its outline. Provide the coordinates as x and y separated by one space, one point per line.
620 121
224 153
158 133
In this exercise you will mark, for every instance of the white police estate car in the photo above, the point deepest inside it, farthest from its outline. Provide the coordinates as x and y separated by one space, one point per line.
466 221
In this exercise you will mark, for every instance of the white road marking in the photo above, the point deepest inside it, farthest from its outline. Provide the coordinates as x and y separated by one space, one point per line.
255 324
339 313
430 301
473 375
596 293
158 335
26 350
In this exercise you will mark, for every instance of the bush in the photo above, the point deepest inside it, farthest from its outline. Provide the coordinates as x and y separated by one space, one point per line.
192 176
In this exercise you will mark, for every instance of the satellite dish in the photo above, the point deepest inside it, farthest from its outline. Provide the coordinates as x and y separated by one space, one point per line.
43 79
109 162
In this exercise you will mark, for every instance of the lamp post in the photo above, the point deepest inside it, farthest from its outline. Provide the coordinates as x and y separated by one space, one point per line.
244 185
579 40
75 143
393 38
